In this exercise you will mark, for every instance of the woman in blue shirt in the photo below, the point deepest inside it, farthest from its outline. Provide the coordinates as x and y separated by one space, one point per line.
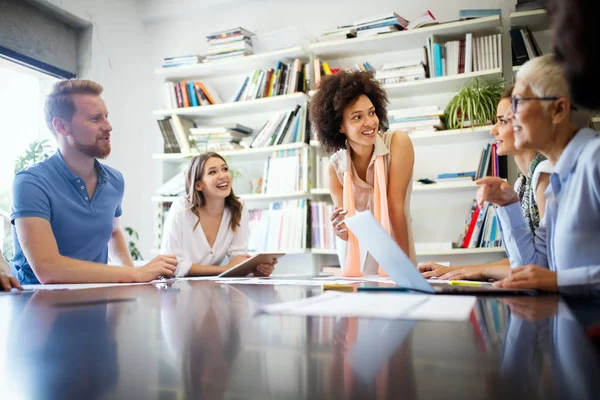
563 255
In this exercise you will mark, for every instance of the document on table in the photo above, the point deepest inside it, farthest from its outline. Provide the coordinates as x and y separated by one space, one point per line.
297 282
79 286
371 305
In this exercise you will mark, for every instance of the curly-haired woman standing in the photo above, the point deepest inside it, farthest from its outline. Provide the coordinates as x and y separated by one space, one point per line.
370 169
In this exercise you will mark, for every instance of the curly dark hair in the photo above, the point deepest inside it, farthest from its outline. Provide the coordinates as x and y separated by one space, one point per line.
335 93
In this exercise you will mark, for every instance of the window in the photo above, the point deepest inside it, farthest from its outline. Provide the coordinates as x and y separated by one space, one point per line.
22 115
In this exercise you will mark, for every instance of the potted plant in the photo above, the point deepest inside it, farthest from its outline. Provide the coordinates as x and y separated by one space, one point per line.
474 105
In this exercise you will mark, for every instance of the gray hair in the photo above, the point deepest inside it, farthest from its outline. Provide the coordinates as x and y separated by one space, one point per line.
546 78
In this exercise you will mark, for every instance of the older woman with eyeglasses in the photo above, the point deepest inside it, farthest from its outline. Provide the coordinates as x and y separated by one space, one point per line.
564 253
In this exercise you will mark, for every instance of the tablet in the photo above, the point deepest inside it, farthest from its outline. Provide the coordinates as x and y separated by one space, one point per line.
246 267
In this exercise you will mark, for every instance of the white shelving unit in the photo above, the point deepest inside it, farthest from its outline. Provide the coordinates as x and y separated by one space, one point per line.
245 153
440 84
268 104
537 20
247 197
448 151
232 66
405 40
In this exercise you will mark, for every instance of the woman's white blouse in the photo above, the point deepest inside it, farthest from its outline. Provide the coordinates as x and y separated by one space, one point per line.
191 246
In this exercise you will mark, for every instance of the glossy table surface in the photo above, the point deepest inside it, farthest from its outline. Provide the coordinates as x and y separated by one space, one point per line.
206 340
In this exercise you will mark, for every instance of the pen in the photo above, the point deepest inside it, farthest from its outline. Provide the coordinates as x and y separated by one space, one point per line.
465 283
336 286
382 288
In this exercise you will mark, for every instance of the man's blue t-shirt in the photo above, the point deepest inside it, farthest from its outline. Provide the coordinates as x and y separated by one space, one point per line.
81 225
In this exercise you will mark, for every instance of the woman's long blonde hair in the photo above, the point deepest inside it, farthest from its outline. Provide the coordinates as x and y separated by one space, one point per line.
196 198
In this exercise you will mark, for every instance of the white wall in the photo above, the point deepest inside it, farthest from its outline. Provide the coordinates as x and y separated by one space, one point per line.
118 59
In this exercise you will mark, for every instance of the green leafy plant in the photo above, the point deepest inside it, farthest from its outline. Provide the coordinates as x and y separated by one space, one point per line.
37 151
474 105
132 243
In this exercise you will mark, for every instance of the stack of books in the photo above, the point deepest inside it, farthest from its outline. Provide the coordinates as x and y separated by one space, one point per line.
404 71
216 138
417 120
230 43
181 60
378 25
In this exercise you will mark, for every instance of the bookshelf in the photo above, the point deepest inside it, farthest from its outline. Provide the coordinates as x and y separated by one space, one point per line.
440 216
438 210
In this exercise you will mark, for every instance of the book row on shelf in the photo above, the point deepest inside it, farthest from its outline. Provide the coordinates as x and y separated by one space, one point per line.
283 79
481 228
183 135
283 225
189 94
284 172
471 54
524 45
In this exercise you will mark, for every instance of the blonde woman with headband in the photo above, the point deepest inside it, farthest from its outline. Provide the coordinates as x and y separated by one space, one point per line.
210 223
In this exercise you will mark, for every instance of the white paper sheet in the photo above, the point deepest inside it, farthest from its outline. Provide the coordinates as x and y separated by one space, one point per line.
379 305
298 282
79 286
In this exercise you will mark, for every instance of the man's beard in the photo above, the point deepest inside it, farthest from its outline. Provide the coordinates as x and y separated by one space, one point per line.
95 150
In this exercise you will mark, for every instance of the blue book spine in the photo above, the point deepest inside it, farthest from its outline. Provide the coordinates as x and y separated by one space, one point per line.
192 94
456 175
241 90
437 51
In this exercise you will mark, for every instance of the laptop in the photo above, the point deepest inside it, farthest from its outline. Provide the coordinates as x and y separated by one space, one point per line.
399 267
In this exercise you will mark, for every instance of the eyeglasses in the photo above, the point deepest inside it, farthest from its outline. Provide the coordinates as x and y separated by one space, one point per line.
514 101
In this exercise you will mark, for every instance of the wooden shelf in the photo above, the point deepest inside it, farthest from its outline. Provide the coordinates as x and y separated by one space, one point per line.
234 65
398 41
267 104
442 84
178 157
246 197
536 20
460 252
